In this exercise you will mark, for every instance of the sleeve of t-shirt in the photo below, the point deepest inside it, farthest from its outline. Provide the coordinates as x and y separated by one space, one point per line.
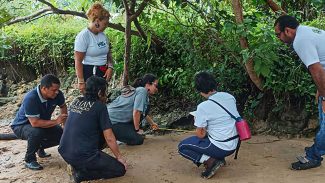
306 51
81 42
104 121
200 117
61 99
140 100
31 108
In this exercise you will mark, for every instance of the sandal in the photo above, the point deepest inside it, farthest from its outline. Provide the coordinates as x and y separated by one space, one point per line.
304 164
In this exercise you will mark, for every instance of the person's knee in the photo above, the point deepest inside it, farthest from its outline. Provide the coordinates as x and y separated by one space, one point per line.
137 141
181 146
121 171
36 133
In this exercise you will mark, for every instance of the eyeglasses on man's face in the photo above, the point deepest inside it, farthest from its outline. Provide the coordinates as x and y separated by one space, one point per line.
278 34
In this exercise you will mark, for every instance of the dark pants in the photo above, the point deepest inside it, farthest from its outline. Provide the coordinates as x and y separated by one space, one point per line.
38 138
126 133
193 148
88 71
103 166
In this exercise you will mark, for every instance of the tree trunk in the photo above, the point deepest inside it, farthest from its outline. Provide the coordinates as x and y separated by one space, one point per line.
275 7
127 50
249 65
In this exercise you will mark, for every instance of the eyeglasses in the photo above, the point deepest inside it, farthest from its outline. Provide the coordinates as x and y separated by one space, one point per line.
155 84
278 34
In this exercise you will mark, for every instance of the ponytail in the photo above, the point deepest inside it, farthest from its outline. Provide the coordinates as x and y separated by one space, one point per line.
146 79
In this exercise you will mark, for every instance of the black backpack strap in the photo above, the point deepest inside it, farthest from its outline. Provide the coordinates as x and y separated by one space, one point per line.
223 108
229 139
237 148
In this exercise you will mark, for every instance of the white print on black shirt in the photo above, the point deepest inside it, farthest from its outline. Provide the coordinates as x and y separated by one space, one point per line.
78 106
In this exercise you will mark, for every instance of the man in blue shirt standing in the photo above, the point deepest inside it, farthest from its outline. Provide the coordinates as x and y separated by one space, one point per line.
33 120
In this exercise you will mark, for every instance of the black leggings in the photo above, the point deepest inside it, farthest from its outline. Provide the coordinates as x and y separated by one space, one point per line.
126 133
88 71
103 166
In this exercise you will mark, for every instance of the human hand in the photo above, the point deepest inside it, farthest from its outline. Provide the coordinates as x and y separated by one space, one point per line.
140 132
61 119
82 87
123 161
108 74
154 126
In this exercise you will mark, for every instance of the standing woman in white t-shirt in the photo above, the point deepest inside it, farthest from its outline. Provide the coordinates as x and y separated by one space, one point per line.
92 51
216 135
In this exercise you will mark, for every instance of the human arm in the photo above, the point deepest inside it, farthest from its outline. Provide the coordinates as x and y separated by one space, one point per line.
41 123
318 74
109 72
139 106
63 110
200 132
78 58
153 125
136 119
111 142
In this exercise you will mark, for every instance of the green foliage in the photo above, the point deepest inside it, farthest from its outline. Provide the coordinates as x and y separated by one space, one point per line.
196 35
46 47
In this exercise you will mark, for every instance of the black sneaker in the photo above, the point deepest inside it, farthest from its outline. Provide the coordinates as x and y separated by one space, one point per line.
34 165
73 175
304 164
42 154
212 168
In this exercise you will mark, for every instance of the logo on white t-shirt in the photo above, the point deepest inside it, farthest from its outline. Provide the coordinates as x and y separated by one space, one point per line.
317 31
101 44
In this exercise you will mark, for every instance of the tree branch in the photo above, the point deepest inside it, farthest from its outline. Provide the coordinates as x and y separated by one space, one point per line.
29 17
55 10
275 8
126 7
140 9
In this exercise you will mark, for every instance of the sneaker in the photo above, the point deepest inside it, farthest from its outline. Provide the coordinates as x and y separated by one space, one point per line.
212 165
42 154
120 143
33 165
72 174
304 164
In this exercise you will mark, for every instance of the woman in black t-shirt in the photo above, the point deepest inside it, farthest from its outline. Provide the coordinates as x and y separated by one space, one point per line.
87 128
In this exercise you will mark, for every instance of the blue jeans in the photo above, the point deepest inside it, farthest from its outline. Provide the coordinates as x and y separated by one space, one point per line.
318 148
193 148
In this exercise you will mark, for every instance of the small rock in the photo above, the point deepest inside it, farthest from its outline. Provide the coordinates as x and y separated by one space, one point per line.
15 152
7 158
10 165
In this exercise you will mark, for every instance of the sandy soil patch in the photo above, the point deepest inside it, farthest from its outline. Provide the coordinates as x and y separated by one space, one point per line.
262 159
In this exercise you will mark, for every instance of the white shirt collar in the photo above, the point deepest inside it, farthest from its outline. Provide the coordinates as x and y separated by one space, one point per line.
40 95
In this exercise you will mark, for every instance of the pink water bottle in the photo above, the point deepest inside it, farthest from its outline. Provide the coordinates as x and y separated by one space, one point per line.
243 129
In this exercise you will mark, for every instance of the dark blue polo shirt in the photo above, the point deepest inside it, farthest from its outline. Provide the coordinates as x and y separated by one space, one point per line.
34 105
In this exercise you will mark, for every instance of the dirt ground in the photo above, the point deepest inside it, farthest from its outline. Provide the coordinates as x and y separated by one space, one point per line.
261 159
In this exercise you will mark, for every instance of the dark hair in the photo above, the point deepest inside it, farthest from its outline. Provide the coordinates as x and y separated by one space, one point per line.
204 82
286 21
94 84
146 79
48 80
